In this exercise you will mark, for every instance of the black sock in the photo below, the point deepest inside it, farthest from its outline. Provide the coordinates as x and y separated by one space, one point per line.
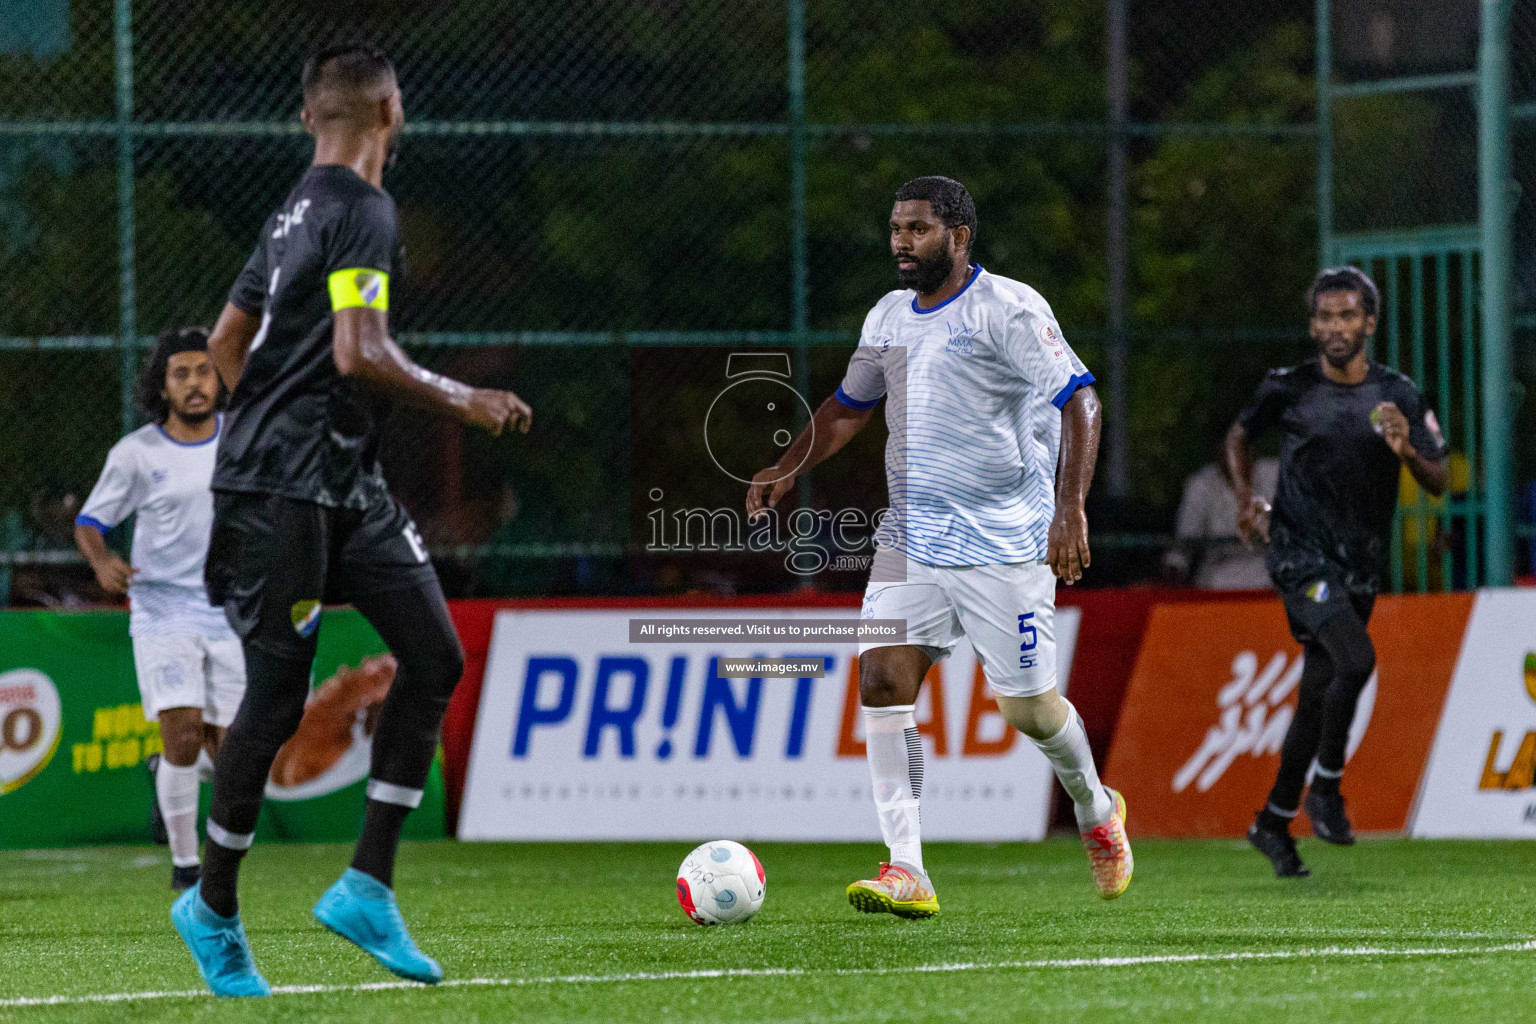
221 872
1273 822
1323 785
380 841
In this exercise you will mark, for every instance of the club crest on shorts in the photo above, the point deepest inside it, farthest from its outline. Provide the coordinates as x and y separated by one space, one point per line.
1318 591
306 617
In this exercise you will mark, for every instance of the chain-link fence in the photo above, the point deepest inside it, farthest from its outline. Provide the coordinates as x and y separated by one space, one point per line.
602 201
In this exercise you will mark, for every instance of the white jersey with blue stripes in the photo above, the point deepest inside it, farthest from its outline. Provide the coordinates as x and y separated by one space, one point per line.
164 482
974 388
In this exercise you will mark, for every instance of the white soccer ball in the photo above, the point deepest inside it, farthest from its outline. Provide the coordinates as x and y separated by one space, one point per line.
721 883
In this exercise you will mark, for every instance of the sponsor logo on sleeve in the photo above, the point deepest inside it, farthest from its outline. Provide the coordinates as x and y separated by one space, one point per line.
1051 339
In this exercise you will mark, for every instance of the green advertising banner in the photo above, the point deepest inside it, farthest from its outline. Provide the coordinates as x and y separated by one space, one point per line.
73 737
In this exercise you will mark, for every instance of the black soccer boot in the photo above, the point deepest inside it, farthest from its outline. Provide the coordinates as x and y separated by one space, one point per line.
157 832
185 878
1328 821
1280 848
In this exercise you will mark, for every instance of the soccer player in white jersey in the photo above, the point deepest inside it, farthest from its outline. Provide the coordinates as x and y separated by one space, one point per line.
982 393
190 668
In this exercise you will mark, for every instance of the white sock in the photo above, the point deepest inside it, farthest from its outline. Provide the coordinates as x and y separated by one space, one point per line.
204 765
895 752
1073 763
176 791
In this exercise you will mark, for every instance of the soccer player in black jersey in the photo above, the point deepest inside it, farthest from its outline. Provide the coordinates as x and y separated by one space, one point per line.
1346 425
302 515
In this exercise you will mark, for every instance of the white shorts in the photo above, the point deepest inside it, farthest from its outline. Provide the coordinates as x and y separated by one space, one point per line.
185 671
1007 612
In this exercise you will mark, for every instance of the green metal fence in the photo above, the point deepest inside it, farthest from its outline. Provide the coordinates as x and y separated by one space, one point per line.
1416 184
601 200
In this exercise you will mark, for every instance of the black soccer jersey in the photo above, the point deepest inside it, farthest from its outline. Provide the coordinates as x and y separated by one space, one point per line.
1338 479
296 427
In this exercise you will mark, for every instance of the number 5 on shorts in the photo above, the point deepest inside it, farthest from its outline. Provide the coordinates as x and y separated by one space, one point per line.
1029 640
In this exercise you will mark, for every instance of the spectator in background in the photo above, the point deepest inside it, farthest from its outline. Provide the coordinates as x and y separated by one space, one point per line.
1206 551
48 574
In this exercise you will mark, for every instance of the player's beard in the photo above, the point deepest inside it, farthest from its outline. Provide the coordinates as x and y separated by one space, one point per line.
1339 362
928 275
194 419
392 152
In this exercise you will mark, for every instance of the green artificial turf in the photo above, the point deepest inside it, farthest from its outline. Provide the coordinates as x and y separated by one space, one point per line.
554 925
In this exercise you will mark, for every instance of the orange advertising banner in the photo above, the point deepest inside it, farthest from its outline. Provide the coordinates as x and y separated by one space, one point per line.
1214 690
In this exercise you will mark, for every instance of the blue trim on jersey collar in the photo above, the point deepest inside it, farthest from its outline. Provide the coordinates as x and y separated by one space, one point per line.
1082 380
853 403
218 428
95 524
933 309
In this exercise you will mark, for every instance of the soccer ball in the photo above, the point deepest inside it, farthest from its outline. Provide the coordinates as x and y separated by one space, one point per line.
721 883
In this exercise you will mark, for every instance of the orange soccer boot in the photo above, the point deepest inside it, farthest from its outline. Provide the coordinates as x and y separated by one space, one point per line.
1109 852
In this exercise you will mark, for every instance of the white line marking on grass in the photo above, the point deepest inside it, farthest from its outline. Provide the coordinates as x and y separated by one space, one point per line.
802 972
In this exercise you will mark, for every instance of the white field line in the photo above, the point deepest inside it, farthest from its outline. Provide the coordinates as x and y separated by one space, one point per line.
799 972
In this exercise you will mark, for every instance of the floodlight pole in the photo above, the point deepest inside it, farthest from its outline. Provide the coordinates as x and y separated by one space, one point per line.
1496 192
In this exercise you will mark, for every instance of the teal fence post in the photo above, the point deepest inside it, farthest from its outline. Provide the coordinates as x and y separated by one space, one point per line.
1117 441
1494 189
799 256
127 328
1324 87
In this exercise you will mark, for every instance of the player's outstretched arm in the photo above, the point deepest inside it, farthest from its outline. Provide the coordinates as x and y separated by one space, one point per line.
1067 551
362 348
230 343
830 429
1252 509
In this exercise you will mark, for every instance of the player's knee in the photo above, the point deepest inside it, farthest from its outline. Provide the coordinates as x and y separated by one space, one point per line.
885 680
265 724
451 668
1039 717
181 735
433 671
1355 663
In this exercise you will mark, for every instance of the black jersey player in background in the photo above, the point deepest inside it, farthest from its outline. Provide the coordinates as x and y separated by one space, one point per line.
302 515
1347 424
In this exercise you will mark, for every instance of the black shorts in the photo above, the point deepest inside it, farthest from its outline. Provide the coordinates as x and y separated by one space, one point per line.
274 561
1312 602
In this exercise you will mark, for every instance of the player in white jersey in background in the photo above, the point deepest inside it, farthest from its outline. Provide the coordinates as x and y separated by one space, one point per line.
981 392
190 668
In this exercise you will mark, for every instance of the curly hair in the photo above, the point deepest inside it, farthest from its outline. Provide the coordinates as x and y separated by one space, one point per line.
149 392
950 200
